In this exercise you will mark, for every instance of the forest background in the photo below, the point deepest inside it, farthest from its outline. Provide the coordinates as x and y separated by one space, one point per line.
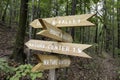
16 15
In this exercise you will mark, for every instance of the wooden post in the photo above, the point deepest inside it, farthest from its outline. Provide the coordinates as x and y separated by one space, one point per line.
52 74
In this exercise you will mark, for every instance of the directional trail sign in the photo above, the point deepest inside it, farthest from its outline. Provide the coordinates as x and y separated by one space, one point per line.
58 47
54 32
65 21
51 29
51 62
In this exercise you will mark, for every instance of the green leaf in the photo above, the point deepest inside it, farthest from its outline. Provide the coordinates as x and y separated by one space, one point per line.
23 74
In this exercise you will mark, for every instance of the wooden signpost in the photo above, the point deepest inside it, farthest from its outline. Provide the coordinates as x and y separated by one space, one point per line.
65 21
54 32
58 47
51 30
51 62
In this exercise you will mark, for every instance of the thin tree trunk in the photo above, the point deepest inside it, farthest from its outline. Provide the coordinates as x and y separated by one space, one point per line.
80 29
107 30
4 13
38 15
1 8
83 28
11 8
18 52
118 24
67 13
112 21
73 11
96 35
56 8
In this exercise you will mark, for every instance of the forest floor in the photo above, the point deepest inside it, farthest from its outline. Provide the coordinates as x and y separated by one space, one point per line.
97 68
7 38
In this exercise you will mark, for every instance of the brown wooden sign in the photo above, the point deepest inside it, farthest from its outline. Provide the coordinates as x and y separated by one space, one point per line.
54 32
59 47
65 21
51 62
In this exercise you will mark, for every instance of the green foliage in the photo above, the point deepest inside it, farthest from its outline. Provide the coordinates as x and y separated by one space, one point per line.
24 70
5 67
20 71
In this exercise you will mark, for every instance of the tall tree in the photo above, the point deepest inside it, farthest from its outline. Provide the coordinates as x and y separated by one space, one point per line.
118 22
18 52
107 27
73 11
113 23
67 8
4 13
10 10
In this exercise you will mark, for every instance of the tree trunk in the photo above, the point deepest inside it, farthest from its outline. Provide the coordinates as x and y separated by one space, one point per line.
107 28
73 11
4 13
11 10
18 52
1 9
83 28
113 23
96 31
80 29
67 13
96 34
56 8
66 10
118 23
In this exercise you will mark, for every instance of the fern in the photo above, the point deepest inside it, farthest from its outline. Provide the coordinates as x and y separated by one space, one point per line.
24 70
5 67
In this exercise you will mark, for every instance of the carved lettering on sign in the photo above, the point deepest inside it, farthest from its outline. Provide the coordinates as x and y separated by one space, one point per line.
51 62
56 47
54 32
62 21
59 47
55 62
66 21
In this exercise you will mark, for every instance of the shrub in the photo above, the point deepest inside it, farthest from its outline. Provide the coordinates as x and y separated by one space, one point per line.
5 67
25 70
5 70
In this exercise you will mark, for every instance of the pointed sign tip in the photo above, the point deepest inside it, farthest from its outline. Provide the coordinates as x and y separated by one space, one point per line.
35 24
89 57
36 68
27 43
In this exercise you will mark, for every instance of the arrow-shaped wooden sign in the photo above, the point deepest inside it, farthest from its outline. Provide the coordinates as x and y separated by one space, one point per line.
51 62
54 32
65 21
59 47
